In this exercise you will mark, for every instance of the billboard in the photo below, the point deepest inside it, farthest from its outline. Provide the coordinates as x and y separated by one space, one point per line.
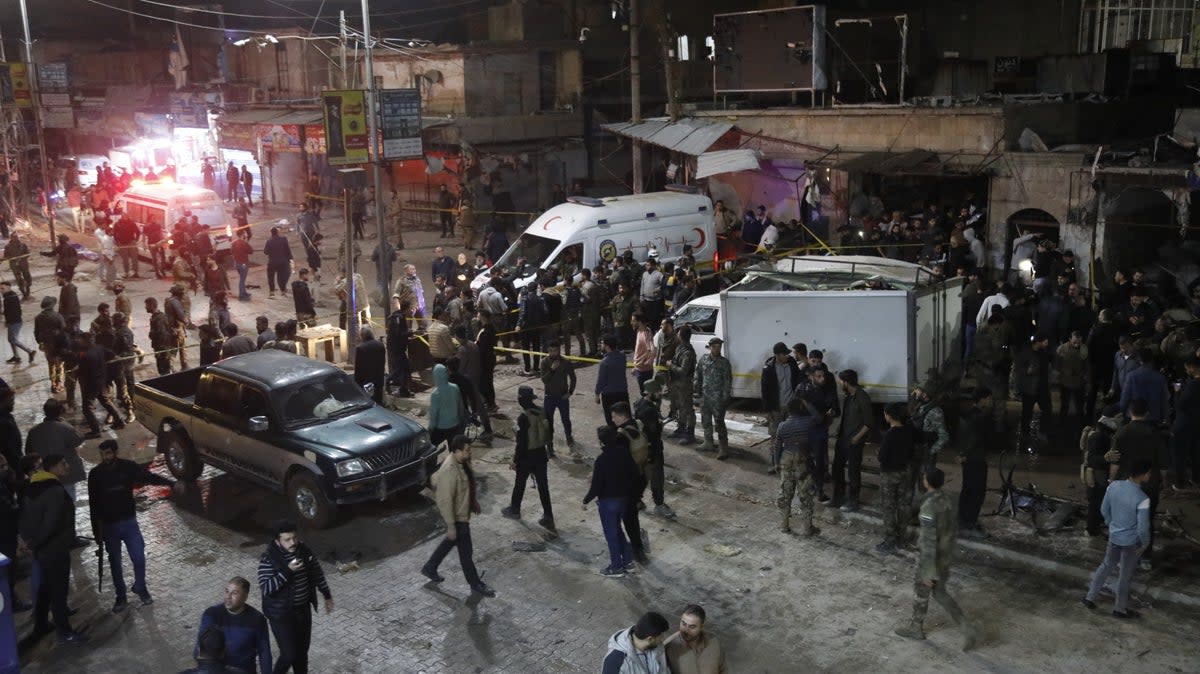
770 50
345 114
400 123
15 87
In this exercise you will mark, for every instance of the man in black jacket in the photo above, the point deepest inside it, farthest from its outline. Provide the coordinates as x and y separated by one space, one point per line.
12 321
1096 442
369 361
306 308
48 527
290 576
48 328
1185 431
780 377
114 519
977 433
397 345
93 385
531 458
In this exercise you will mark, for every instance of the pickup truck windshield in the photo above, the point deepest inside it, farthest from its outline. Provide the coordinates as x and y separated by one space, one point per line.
318 399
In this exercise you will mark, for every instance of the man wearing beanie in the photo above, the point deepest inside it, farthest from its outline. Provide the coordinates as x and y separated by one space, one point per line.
530 457
635 650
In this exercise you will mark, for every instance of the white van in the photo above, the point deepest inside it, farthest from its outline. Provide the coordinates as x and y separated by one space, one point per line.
164 203
593 230
85 167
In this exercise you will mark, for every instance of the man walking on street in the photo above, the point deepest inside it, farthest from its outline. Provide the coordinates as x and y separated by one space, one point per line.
935 543
162 337
178 318
713 382
531 458
1139 441
13 322
289 577
247 639
93 385
558 381
648 413
48 528
114 518
454 491
1126 509
857 421
977 434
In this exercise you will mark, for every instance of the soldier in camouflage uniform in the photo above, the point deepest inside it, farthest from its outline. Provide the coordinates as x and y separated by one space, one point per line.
714 383
794 456
680 372
938 530
929 420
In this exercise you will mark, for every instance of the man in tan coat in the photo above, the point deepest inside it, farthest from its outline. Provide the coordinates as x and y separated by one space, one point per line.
454 492
692 650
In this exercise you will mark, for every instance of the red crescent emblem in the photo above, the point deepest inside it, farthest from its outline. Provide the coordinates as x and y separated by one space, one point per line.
703 238
546 225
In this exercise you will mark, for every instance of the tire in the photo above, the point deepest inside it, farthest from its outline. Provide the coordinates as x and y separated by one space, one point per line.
181 457
309 503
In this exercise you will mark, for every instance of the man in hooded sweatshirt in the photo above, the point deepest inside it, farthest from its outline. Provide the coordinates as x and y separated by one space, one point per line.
635 650
48 528
447 410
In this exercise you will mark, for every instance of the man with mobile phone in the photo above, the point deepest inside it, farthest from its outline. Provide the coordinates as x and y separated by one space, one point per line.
290 576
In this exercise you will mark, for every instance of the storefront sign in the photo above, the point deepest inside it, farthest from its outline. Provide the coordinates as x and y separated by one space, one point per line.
190 108
15 87
345 127
279 137
400 122
58 118
152 125
50 100
54 76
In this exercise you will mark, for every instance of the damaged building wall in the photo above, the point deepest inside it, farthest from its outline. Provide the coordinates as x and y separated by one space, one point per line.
1034 180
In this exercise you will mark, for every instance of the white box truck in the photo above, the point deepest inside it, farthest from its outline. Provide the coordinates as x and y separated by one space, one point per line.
888 320
590 230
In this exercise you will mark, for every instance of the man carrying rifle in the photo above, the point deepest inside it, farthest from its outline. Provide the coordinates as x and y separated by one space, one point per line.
114 520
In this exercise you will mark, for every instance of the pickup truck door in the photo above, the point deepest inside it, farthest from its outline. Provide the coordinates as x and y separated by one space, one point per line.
218 423
260 447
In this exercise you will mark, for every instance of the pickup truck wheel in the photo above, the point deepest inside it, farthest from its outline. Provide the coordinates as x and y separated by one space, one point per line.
309 502
182 459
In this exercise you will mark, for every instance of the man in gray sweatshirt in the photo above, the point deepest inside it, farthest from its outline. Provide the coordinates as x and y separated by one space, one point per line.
1126 509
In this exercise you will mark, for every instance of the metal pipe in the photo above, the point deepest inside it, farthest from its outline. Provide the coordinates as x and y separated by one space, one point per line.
382 266
635 91
37 117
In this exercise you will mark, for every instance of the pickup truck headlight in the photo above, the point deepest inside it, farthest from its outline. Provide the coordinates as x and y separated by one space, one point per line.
423 440
351 467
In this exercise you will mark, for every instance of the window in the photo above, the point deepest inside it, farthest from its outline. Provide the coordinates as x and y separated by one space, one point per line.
569 260
535 250
254 403
702 319
682 51
1115 23
220 395
319 399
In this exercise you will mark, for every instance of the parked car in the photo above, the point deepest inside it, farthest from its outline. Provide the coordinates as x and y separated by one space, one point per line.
298 426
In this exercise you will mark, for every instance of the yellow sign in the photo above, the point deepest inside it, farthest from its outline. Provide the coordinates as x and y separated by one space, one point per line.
345 127
15 86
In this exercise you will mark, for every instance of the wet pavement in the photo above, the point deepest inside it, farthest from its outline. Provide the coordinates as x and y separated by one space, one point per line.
779 603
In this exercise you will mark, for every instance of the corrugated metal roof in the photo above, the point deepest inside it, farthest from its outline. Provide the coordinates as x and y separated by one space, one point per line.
688 135
726 161
892 162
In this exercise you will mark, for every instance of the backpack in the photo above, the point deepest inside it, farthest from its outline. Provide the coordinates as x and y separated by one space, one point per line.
539 433
639 446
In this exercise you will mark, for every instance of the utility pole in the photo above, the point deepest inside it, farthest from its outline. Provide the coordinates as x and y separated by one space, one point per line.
10 210
37 116
342 45
635 91
669 56
382 267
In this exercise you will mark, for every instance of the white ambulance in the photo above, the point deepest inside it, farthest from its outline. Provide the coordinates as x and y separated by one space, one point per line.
164 203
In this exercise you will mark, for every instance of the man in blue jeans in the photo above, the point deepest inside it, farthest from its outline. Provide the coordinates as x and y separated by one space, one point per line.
114 520
558 380
240 250
1126 509
611 486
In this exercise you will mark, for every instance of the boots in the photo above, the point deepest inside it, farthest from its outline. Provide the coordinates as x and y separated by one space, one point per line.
911 630
687 437
722 450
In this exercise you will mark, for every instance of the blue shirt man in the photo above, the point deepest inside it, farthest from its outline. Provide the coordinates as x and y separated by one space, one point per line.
247 637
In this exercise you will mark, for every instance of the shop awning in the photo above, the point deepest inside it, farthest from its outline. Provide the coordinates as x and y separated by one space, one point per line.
891 163
689 135
726 161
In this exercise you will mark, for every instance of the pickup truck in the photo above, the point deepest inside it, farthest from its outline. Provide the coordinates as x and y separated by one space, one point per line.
298 426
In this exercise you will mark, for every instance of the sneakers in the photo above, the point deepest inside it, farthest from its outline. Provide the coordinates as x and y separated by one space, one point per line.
511 514
483 589
1088 604
1127 614
850 507
547 524
144 595
664 510
612 572
912 630
15 360
631 568
120 606
433 576
72 637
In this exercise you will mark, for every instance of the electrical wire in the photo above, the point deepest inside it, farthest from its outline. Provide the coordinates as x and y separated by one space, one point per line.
165 19
235 15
